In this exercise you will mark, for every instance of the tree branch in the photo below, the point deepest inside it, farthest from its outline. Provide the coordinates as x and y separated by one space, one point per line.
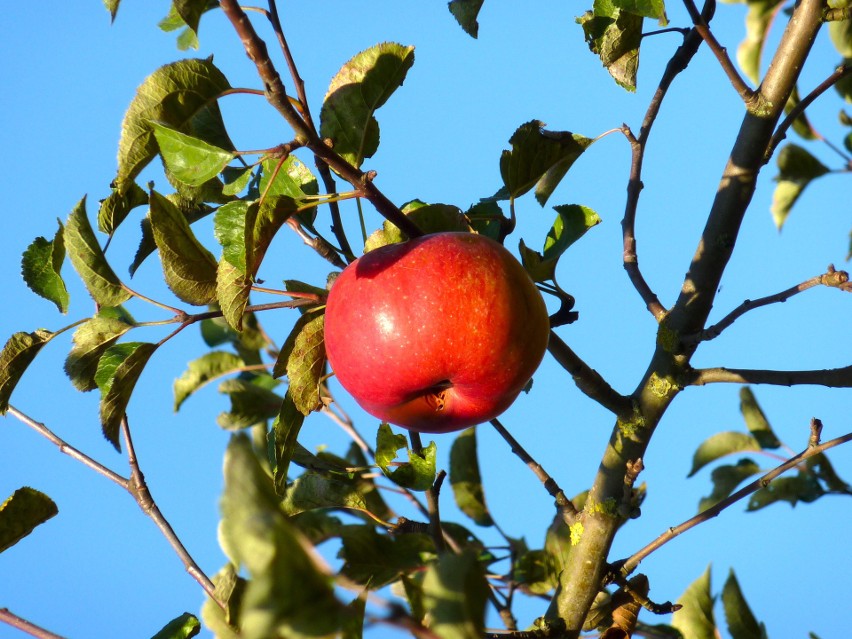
277 97
588 380
633 561
7 616
831 278
831 378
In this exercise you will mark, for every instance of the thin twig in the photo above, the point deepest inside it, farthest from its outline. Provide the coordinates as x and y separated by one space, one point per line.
781 132
564 505
633 561
432 495
703 28
831 377
588 380
831 278
7 616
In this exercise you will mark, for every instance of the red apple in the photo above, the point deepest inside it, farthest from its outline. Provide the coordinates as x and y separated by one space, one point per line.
435 334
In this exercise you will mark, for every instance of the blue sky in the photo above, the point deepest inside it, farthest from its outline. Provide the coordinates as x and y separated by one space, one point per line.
101 569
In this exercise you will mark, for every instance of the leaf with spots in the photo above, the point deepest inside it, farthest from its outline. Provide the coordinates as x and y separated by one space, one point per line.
302 359
25 509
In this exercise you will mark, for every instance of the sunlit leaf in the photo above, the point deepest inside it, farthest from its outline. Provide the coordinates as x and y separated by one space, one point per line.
251 403
756 421
201 371
466 480
840 32
186 14
190 160
229 589
758 20
454 596
183 627
181 95
25 509
572 222
112 7
465 12
189 268
89 261
796 168
236 179
91 340
742 623
118 371
272 214
232 292
418 474
118 204
361 86
312 490
721 444
655 9
725 479
285 430
614 35
17 354
377 559
695 620
288 593
539 158
429 218
302 359
41 265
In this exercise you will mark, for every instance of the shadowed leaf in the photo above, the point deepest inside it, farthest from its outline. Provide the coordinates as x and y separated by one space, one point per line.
285 430
118 371
802 486
361 86
454 596
377 560
801 124
418 474
89 261
756 421
695 620
200 371
17 354
466 480
725 480
797 167
719 445
465 12
251 403
614 35
41 264
186 14
118 204
312 490
572 222
742 623
758 20
91 340
189 268
21 513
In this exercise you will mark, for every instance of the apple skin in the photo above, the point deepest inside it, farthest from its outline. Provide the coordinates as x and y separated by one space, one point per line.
437 333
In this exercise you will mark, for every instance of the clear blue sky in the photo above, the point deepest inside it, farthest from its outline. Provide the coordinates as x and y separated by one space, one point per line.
101 569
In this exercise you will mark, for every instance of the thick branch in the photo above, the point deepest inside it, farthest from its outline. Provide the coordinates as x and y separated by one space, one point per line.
276 94
831 377
633 562
831 278
588 380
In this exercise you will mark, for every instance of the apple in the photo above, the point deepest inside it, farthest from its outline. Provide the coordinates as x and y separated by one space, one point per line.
437 333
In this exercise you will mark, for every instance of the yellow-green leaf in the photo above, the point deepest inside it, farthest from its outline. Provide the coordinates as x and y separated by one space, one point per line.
21 513
18 353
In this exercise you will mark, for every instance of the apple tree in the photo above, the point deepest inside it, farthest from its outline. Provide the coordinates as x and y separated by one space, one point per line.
387 530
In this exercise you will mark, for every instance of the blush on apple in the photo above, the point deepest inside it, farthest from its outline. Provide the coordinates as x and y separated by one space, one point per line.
435 334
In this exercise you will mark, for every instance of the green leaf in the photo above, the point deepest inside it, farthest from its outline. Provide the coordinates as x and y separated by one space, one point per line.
89 261
719 445
801 124
312 491
202 370
251 403
285 430
273 212
40 267
535 572
181 95
466 480
742 623
189 268
91 340
235 180
17 354
695 620
840 32
725 480
539 158
21 513
118 371
539 269
183 627
302 358
112 7
454 596
429 218
289 593
233 288
418 474
797 168
614 35
756 420
186 14
188 159
802 486
377 560
361 86
229 228
353 621
572 222
465 12
655 9
824 471
758 20
229 589
118 204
